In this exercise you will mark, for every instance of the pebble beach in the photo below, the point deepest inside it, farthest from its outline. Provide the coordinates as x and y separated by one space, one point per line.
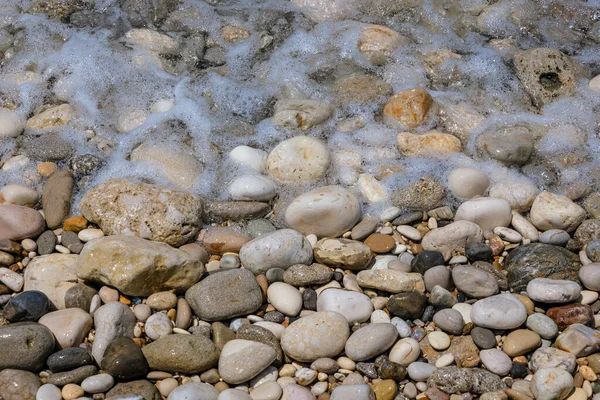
299 200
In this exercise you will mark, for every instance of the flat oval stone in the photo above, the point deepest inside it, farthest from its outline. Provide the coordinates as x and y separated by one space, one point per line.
236 367
420 371
68 359
438 340
25 346
285 298
225 294
483 338
370 341
571 314
391 280
346 253
326 212
487 212
49 392
75 376
546 290
579 339
503 311
356 392
158 325
496 361
380 243
354 306
267 391
98 383
520 342
307 275
474 282
18 222
282 249
322 334
556 237
189 354
449 320
542 325
451 237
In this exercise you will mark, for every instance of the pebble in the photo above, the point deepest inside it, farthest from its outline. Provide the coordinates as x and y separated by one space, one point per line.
354 307
552 290
487 212
194 390
556 237
467 183
439 340
331 328
142 312
370 341
551 384
542 325
158 325
282 248
474 282
161 301
590 276
357 392
98 383
420 371
326 212
72 391
226 294
405 351
550 357
25 346
496 361
285 298
449 320
503 311
267 391
69 359
521 341
69 326
553 211
236 367
48 392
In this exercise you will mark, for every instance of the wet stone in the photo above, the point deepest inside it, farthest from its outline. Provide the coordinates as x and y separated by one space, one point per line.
69 359
124 360
30 305
409 305
79 295
75 376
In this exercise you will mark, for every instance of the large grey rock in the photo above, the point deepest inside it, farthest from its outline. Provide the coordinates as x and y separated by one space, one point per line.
138 267
546 74
225 294
25 345
152 212
539 260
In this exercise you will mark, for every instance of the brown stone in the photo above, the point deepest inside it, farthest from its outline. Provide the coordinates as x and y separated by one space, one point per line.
571 314
408 108
377 42
379 243
75 224
223 240
360 88
520 342
496 244
463 348
233 34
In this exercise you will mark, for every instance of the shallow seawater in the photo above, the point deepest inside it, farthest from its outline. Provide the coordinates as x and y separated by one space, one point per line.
223 92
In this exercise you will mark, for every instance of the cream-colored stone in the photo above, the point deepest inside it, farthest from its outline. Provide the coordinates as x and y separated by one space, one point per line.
553 211
299 159
303 114
377 43
52 274
430 144
53 116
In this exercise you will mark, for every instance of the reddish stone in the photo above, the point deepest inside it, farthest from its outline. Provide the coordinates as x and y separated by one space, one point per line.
564 316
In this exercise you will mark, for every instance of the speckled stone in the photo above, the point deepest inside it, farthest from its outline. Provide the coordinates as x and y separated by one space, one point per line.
182 353
18 385
143 388
69 359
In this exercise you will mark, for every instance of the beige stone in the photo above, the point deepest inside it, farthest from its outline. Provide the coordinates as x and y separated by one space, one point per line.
174 161
53 116
430 144
299 159
52 274
303 114
234 34
137 267
219 240
69 326
377 43
152 212
346 253
553 211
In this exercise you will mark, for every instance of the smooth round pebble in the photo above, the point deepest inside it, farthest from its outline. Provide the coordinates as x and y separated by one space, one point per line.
496 361
48 392
439 340
285 298
546 290
420 371
267 391
97 383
